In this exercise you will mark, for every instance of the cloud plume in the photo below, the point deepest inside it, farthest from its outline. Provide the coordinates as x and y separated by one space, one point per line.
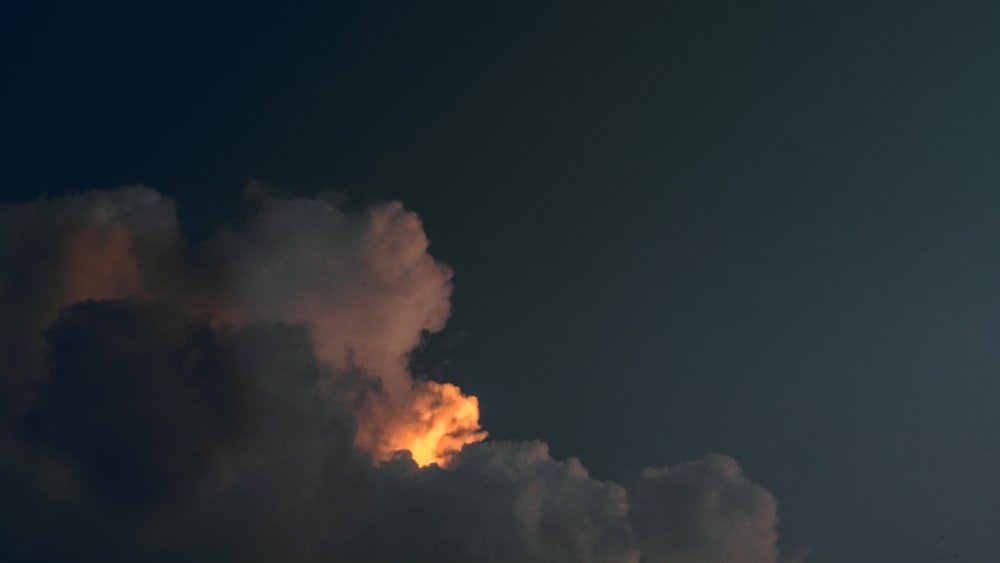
248 399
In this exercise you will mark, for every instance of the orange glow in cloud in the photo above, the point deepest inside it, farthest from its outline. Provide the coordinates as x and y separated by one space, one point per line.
433 423
100 265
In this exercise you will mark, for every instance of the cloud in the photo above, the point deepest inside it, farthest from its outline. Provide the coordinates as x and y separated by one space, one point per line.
704 511
248 400
504 501
98 244
363 283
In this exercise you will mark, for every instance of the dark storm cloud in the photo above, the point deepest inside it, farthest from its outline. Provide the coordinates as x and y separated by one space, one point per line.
97 245
163 419
175 437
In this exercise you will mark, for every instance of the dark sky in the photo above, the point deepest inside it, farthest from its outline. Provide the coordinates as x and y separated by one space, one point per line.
764 229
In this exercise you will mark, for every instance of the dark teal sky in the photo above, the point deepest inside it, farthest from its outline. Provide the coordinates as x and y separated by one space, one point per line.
765 229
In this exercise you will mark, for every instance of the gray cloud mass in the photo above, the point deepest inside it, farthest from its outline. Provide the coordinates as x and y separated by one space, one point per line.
163 402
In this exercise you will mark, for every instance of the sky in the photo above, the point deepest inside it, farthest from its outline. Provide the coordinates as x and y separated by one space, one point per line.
742 251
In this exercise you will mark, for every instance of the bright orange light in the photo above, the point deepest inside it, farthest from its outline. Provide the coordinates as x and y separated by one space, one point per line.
434 422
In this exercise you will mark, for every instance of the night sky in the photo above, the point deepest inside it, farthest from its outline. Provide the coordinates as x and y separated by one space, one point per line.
765 230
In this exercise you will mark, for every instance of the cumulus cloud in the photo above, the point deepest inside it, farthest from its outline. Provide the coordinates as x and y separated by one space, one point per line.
363 283
248 400
507 501
704 511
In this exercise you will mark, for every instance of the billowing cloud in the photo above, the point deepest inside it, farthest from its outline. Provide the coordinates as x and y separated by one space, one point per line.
248 399
363 283
504 501
433 421
704 511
